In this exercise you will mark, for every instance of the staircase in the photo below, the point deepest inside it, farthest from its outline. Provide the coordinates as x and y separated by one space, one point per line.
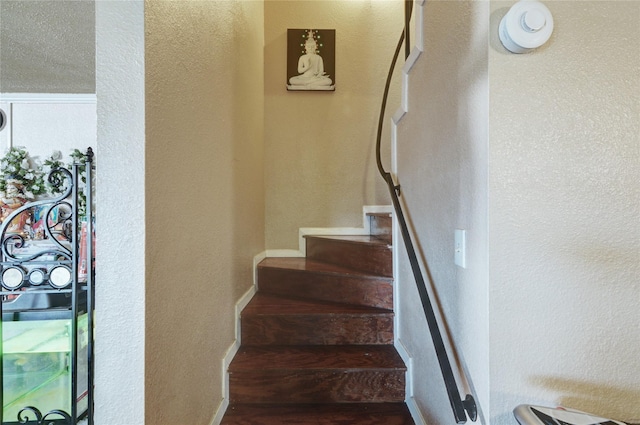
317 338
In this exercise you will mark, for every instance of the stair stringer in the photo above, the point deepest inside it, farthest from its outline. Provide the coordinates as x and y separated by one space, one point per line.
403 109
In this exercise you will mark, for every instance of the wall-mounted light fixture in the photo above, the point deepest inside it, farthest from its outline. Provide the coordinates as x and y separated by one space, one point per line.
3 119
526 26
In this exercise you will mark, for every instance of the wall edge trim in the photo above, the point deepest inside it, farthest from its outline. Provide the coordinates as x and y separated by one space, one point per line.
48 98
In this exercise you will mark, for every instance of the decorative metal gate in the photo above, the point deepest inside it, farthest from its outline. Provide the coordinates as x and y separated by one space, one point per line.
47 278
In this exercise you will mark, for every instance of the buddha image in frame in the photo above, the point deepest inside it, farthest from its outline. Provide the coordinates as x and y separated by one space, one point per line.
311 59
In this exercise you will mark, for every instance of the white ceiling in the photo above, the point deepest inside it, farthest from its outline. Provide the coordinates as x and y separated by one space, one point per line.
47 46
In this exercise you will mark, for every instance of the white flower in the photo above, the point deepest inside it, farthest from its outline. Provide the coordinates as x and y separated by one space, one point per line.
30 176
29 195
56 155
25 163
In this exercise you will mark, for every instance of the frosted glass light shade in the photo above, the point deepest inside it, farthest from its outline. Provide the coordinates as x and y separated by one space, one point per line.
526 26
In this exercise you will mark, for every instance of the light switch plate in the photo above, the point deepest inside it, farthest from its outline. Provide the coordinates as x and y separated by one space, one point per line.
460 256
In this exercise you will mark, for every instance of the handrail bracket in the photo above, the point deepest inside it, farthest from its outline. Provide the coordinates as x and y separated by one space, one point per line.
469 404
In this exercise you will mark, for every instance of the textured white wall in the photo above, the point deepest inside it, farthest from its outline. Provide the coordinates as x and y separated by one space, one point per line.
547 311
120 287
204 194
320 166
565 214
442 167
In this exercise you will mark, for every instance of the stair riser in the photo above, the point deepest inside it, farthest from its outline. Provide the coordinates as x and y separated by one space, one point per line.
381 227
322 386
326 287
317 329
317 339
319 414
374 259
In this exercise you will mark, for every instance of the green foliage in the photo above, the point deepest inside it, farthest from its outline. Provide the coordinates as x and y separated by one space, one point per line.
38 179
16 165
79 157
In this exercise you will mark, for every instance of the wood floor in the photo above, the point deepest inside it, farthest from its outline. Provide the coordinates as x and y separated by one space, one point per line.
317 338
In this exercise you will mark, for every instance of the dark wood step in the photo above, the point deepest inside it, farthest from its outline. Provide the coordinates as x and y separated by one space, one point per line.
364 253
276 320
317 338
317 374
318 414
304 278
380 225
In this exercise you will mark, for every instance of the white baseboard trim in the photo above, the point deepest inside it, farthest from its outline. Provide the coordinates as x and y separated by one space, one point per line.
283 253
222 408
409 400
256 261
375 209
399 115
415 411
408 361
233 349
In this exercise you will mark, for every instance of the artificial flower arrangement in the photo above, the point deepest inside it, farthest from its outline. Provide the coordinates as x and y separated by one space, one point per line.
17 168
23 179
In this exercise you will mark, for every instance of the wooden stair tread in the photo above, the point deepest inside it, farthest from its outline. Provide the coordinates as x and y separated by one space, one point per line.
367 253
317 357
305 264
279 320
318 414
311 279
379 214
355 239
317 338
279 305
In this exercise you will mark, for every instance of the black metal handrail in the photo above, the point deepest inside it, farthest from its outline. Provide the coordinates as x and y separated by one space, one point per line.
458 405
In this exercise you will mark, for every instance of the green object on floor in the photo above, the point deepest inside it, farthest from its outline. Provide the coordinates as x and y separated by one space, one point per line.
37 365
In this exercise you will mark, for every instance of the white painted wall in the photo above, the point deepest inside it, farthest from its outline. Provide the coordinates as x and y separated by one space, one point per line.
537 157
320 166
564 217
442 148
46 122
204 195
120 265
547 191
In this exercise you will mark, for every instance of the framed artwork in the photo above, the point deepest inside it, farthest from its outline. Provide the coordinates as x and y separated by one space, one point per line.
311 59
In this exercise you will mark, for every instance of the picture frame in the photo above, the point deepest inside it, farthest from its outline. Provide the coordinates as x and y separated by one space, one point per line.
311 60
